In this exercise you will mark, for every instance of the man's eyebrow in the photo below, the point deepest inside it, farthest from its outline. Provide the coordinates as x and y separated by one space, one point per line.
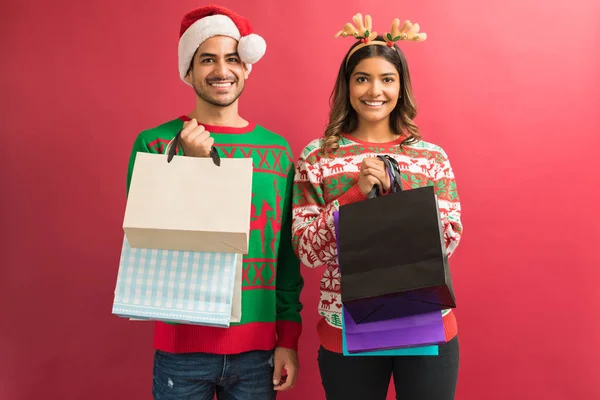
214 55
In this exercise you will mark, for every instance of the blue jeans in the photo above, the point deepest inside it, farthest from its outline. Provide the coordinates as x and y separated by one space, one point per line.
199 376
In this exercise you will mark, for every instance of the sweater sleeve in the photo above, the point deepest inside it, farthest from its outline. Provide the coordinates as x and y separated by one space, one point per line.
448 201
313 229
289 279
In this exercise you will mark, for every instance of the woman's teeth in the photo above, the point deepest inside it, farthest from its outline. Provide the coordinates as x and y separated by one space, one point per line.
373 103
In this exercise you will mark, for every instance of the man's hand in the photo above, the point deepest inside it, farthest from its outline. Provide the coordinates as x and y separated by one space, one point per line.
195 140
285 359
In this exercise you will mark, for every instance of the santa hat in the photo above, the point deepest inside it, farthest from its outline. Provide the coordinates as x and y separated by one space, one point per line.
208 21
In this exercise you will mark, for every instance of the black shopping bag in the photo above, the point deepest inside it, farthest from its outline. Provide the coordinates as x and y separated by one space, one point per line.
392 255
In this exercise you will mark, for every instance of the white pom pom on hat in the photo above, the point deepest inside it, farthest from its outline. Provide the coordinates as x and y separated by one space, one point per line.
251 48
212 20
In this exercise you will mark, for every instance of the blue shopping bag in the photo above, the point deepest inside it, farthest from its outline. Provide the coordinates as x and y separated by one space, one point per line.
176 286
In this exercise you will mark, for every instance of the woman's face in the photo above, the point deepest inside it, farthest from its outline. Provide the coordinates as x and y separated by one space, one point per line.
374 89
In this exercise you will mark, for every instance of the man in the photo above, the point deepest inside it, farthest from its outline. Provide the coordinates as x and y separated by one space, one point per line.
256 358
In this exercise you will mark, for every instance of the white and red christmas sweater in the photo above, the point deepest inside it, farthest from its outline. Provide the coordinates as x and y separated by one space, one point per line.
323 183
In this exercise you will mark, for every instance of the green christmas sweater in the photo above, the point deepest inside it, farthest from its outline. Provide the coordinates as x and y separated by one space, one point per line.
271 281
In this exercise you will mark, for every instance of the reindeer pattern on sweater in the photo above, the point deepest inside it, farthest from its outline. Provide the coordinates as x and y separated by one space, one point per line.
323 183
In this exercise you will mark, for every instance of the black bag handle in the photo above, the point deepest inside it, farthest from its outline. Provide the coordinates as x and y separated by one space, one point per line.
392 168
175 144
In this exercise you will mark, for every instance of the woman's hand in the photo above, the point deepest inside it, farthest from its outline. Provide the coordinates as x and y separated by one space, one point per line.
373 172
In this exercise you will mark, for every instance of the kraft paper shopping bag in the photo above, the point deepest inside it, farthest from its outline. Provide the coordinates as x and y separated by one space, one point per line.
189 204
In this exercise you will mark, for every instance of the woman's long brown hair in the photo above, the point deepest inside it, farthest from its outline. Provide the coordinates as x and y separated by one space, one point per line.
343 118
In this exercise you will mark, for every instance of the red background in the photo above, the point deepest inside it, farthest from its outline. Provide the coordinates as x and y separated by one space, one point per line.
510 91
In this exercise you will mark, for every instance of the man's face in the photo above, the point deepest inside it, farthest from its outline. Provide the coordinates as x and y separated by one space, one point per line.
217 73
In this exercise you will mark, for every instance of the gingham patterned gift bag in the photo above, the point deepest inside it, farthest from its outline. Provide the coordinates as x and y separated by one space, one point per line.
176 286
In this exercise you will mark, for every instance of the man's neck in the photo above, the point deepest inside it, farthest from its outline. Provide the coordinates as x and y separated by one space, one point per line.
374 132
218 116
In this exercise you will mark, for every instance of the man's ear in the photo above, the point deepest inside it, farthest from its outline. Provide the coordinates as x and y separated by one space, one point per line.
188 76
246 71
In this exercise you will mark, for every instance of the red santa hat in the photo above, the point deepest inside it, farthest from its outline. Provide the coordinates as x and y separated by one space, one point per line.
208 21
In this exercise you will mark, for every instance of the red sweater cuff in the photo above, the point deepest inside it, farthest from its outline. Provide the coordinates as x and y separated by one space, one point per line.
353 195
288 334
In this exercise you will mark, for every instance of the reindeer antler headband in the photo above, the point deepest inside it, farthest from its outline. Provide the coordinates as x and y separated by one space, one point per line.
362 31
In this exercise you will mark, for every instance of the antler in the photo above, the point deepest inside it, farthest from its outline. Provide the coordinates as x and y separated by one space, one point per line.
362 30
408 31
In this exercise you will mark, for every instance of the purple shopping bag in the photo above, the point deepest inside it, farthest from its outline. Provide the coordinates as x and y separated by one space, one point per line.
405 332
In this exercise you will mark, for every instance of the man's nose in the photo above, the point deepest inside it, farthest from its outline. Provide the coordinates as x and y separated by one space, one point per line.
221 70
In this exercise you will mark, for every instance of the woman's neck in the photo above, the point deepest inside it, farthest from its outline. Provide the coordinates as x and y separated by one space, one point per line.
374 132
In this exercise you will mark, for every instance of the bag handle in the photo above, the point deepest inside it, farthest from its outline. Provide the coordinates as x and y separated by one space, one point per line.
393 170
174 144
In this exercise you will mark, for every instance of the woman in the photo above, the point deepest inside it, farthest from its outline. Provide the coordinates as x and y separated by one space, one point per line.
372 112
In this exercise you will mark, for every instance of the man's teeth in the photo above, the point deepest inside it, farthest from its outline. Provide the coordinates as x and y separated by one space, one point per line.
374 103
227 84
